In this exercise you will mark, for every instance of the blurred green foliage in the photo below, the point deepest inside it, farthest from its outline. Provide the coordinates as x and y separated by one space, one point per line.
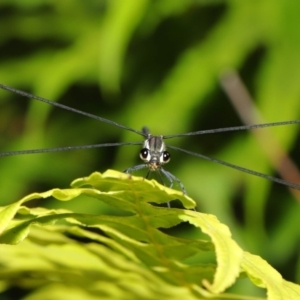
156 63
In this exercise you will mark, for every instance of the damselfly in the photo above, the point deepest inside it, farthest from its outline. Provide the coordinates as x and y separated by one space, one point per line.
153 153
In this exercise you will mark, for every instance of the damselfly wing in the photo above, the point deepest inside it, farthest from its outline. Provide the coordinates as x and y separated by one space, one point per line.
153 151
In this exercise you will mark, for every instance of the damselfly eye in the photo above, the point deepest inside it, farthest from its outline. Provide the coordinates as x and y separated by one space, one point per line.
166 156
144 154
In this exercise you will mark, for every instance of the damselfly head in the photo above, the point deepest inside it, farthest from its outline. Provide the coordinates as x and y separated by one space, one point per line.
154 152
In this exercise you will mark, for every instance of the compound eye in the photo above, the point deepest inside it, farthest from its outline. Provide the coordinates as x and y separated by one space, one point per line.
144 154
166 156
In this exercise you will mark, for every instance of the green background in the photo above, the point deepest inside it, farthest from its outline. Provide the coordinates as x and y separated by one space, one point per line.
156 63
